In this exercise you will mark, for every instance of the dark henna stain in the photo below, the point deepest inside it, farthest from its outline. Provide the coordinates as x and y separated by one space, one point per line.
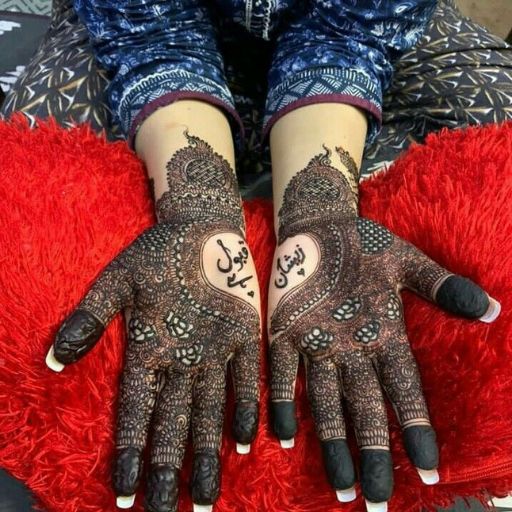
162 489
421 446
338 463
376 475
205 480
77 335
245 422
461 296
127 471
284 422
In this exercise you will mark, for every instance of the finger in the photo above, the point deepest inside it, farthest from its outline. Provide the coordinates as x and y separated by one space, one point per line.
245 366
136 402
170 434
453 293
284 361
325 398
399 375
365 403
209 398
111 292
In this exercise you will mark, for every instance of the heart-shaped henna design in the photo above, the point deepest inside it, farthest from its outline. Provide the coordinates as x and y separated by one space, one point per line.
346 319
191 287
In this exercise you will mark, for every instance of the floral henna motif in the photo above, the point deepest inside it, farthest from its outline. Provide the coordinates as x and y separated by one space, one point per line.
192 290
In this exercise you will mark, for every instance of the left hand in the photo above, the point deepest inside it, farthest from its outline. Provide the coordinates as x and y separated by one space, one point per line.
334 298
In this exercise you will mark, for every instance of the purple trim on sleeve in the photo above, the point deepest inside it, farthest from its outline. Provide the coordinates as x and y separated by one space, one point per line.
171 97
347 99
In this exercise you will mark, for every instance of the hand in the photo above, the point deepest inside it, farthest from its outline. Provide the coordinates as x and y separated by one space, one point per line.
191 288
335 299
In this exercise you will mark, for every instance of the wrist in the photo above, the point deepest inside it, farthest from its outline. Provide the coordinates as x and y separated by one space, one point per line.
317 193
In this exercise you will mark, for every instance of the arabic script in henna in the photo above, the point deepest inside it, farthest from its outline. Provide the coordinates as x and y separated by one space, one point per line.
192 290
345 317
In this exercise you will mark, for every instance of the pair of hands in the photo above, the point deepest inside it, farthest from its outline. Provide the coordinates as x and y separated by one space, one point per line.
189 290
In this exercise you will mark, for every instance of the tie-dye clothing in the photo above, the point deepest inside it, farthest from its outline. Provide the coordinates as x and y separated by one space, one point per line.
159 51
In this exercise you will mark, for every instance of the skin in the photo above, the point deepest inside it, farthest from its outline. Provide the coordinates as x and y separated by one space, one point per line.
190 289
334 299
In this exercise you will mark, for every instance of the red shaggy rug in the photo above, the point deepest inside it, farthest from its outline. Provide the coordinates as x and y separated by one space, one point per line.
70 201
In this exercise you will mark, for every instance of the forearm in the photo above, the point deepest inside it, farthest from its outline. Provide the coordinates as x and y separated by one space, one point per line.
163 133
303 133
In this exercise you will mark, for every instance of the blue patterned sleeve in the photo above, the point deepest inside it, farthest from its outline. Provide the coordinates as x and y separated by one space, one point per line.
156 52
342 51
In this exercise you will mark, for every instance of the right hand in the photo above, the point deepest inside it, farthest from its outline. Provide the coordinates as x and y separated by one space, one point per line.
191 288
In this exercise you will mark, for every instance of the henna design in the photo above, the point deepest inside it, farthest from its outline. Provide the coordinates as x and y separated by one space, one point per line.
351 166
287 264
368 332
316 340
140 332
178 327
394 307
348 310
374 238
347 319
194 306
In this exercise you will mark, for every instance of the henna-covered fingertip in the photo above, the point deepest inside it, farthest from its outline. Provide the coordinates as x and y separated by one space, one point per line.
493 311
125 501
202 508
287 443
52 362
428 476
376 507
243 449
346 495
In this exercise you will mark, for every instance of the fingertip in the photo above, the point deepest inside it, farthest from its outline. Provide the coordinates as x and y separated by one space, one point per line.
421 446
245 422
125 501
287 443
205 481
492 313
243 449
284 422
428 476
346 495
376 475
338 464
52 362
127 470
463 297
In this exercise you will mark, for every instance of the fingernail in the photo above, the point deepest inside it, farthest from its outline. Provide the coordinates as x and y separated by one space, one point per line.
202 508
493 311
125 501
376 507
346 495
287 443
243 449
428 476
52 362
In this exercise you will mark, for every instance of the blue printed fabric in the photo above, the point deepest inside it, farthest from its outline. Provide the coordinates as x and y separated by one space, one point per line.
159 51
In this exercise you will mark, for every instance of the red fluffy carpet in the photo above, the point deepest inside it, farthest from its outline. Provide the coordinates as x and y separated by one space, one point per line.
70 201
